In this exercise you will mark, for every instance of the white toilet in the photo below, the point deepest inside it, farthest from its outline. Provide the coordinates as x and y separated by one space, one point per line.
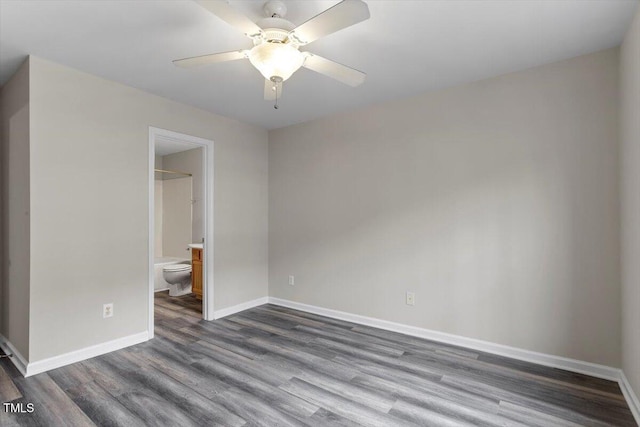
178 276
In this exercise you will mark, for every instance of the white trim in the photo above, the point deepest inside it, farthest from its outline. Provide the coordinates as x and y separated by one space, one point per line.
208 248
17 359
152 231
84 353
595 370
219 314
630 396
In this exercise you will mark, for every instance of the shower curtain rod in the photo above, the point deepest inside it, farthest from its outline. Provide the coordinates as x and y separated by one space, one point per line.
177 172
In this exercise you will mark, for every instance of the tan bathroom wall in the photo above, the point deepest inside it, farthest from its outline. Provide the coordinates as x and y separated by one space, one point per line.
176 213
157 211
191 161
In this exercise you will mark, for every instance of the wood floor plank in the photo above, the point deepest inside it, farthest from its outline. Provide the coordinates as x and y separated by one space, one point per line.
311 347
291 334
453 363
10 368
71 376
311 316
531 417
290 316
344 337
459 411
344 407
323 417
423 416
352 334
196 379
241 364
8 390
225 323
274 366
300 358
587 404
356 352
258 411
174 336
153 410
101 407
436 398
408 342
152 387
161 311
557 374
51 404
173 350
239 380
22 419
380 400
573 414
239 345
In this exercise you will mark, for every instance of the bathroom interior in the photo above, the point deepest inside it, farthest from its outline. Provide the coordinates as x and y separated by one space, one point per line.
179 226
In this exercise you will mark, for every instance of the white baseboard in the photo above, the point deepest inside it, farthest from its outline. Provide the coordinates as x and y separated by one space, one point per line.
630 396
224 312
16 358
595 370
573 365
84 354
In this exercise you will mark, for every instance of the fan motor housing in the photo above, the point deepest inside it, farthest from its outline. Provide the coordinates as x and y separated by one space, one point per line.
275 30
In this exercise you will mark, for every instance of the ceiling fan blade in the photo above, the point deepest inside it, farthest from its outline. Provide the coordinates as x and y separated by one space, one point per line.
342 15
210 59
270 89
224 11
342 73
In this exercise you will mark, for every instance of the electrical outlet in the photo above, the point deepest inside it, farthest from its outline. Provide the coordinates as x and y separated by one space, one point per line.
292 280
107 310
411 298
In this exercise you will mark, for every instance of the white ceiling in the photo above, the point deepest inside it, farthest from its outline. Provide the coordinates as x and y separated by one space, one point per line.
407 47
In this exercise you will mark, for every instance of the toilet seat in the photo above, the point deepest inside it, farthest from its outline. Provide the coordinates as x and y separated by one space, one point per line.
177 267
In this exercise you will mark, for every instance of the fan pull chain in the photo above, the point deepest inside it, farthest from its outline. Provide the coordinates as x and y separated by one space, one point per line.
275 106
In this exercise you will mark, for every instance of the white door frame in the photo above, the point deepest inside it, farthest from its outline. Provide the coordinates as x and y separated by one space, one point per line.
207 167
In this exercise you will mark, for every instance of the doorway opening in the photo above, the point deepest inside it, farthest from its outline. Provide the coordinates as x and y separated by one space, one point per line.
180 221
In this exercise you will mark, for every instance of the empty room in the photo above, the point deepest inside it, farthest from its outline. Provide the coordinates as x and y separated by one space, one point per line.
320 213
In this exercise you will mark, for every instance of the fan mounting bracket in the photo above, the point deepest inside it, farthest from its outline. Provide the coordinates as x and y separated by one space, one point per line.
275 9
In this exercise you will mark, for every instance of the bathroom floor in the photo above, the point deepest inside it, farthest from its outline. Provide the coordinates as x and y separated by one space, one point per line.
173 307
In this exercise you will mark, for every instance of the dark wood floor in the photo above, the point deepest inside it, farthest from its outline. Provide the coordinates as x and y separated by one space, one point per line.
272 366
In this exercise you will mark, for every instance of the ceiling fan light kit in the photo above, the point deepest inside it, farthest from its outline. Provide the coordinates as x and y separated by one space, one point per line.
276 62
276 51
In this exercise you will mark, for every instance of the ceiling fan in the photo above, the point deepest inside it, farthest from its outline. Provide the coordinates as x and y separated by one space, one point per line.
276 42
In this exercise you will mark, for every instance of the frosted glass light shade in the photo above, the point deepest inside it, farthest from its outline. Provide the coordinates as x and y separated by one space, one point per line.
276 60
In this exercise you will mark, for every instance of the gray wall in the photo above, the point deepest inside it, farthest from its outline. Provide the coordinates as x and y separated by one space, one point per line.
630 182
15 230
89 230
495 202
